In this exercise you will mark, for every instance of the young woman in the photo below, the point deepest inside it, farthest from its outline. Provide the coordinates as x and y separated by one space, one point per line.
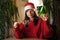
32 26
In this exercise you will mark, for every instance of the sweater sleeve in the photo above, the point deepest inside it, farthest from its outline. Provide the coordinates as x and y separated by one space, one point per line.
46 30
18 31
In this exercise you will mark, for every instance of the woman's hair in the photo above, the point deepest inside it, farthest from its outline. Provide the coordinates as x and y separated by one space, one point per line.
26 20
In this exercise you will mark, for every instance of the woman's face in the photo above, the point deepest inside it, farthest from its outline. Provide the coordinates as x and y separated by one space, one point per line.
30 13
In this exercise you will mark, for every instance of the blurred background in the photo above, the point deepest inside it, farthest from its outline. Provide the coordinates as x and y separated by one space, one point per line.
13 10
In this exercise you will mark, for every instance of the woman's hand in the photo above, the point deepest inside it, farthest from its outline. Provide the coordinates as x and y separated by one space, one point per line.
16 24
45 17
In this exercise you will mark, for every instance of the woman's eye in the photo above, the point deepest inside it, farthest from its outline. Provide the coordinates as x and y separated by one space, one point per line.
31 11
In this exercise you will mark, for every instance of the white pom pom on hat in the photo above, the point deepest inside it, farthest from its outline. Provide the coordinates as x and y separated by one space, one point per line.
28 6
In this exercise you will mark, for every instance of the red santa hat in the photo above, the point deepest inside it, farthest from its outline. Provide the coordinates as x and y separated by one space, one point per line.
29 6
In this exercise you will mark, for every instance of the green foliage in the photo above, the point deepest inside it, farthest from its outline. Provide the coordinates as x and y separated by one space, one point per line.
7 10
45 8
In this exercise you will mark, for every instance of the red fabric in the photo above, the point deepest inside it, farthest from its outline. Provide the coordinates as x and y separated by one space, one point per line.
31 31
29 4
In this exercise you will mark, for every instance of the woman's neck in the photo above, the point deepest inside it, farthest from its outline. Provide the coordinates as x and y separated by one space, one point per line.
31 19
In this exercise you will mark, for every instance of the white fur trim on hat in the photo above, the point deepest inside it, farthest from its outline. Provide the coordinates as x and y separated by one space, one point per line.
28 7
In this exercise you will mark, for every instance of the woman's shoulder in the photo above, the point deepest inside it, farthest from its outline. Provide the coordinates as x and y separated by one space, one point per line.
22 22
39 18
42 21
